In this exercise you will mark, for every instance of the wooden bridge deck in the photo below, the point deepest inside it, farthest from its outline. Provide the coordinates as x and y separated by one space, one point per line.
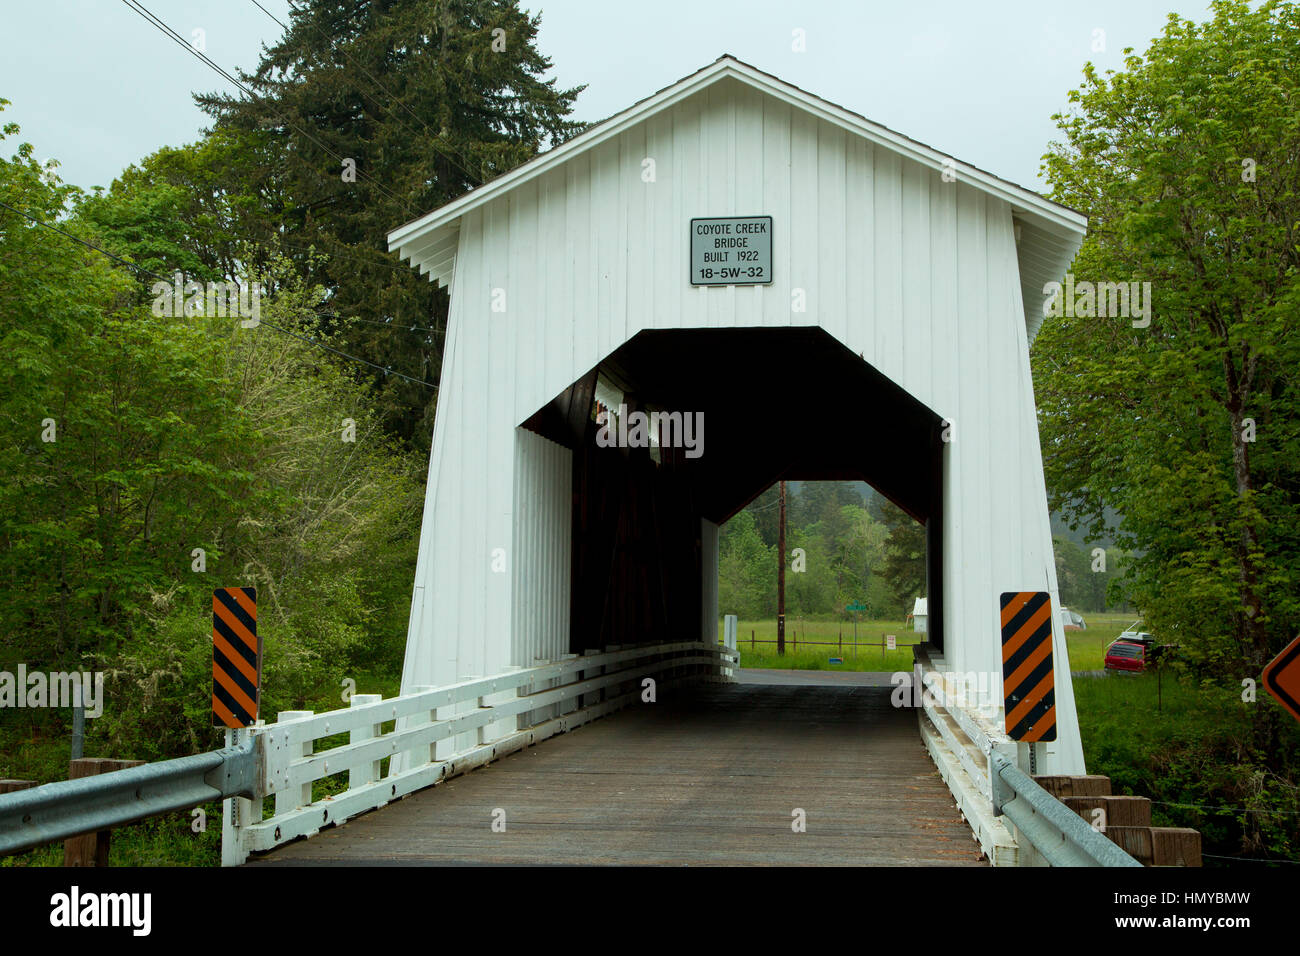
709 777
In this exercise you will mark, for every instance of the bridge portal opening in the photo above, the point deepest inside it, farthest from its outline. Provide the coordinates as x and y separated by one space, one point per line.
855 567
678 430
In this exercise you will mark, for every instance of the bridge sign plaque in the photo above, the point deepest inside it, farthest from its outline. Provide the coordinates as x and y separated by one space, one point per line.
731 250
1028 679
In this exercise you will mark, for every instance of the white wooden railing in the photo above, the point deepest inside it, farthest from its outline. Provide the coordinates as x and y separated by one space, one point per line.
439 732
960 729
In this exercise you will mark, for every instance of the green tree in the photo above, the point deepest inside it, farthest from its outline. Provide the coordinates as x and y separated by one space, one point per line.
1188 426
149 459
746 570
903 568
369 114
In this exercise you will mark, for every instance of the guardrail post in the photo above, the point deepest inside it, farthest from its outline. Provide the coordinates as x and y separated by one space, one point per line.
91 849
13 786
367 771
286 799
236 813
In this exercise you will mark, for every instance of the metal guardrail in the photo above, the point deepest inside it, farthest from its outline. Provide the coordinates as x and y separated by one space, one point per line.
1015 821
1056 832
67 808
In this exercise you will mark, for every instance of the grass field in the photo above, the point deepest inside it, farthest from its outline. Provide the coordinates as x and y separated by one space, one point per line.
801 653
1179 743
1087 648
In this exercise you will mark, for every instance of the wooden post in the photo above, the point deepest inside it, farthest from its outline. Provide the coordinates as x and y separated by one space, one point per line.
13 786
91 849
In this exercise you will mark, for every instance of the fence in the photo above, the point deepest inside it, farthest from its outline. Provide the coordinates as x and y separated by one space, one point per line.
440 732
435 732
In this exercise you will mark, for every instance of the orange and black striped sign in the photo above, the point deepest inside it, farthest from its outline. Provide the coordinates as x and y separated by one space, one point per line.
236 658
1282 678
1028 681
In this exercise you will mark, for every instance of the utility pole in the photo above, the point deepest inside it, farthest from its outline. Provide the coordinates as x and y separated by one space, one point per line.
780 577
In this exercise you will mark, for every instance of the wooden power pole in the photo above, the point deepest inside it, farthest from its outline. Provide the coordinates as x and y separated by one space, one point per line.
780 577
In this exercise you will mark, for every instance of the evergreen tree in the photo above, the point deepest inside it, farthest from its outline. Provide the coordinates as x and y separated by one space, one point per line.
903 569
367 114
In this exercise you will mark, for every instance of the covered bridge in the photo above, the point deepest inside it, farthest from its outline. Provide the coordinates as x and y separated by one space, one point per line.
870 320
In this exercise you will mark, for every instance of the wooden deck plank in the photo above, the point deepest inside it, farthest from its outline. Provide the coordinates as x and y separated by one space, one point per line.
706 778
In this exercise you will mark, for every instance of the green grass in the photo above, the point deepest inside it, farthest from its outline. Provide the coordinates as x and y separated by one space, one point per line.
1181 744
1088 648
802 654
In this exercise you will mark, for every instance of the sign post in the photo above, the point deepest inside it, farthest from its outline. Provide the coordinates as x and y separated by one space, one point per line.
855 608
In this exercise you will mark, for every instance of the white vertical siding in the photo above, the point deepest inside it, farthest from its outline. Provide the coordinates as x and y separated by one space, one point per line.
543 503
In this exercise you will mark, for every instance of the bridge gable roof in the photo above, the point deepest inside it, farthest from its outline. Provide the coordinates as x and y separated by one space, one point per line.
1048 233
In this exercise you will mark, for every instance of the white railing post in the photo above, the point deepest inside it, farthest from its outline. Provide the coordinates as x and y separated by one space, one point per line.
506 726
286 800
425 755
730 623
573 703
367 771
596 670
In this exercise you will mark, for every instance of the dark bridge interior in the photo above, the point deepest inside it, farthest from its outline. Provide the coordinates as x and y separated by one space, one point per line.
790 404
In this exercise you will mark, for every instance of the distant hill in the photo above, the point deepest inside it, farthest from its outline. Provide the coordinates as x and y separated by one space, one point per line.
1080 537
1059 528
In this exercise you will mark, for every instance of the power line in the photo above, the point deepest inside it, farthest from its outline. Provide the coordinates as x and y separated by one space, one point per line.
446 155
68 235
387 370
395 325
1249 859
172 35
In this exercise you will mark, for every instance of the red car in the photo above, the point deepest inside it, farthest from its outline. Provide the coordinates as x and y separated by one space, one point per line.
1126 656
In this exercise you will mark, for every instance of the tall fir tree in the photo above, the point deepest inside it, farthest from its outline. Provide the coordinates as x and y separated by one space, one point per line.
371 113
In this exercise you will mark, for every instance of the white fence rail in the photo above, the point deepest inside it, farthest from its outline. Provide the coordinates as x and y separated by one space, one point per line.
440 732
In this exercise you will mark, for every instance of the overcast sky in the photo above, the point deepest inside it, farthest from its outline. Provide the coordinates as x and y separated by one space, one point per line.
97 88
